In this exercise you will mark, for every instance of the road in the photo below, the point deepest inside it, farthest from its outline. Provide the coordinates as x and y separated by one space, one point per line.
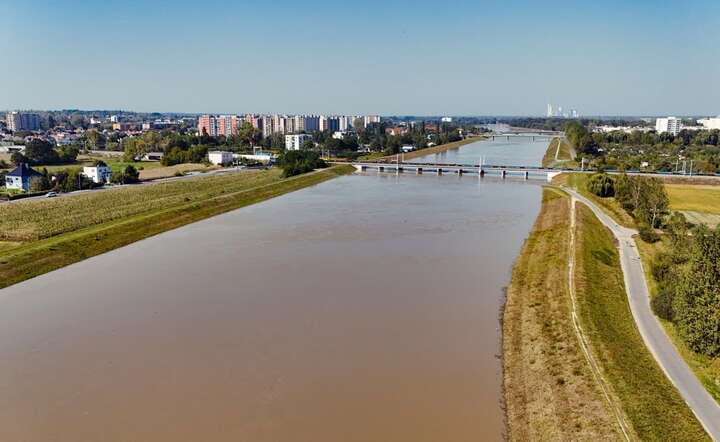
675 368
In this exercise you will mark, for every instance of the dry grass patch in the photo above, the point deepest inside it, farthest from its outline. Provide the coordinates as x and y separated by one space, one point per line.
550 393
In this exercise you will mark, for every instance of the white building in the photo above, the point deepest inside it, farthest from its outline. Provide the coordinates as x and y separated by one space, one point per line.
339 135
260 156
220 157
369 119
446 119
294 142
99 173
710 123
671 125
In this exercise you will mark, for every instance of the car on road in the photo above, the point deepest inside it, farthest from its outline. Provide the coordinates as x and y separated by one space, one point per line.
51 195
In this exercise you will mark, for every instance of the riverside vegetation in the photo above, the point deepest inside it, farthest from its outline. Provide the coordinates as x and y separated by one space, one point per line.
43 235
681 262
551 393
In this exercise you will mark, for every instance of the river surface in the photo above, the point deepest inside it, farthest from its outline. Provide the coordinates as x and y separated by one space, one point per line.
361 309
515 151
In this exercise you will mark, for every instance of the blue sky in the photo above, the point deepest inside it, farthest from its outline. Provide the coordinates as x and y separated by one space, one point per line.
387 57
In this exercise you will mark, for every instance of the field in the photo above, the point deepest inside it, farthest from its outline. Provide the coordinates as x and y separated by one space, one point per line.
149 170
695 198
653 406
550 392
57 232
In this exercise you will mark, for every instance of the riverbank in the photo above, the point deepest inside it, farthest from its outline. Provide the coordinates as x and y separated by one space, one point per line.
550 392
45 235
558 154
575 364
435 149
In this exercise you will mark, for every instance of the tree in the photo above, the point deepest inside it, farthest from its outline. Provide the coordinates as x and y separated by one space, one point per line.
307 145
296 162
250 134
654 202
601 184
128 175
41 183
39 151
697 304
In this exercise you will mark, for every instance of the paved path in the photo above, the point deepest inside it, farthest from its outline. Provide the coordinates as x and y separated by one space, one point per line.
690 388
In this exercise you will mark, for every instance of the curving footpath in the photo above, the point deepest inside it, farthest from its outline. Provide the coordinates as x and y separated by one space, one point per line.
675 368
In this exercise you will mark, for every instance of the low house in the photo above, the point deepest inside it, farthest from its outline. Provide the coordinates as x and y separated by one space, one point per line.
150 156
99 173
220 157
21 177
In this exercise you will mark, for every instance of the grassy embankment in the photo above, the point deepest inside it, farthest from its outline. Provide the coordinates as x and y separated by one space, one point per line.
551 393
700 203
558 155
654 407
43 235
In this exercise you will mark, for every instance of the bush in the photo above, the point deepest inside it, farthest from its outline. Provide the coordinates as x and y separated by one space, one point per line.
296 162
662 304
648 235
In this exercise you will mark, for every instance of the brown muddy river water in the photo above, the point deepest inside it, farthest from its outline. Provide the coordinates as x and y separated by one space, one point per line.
362 309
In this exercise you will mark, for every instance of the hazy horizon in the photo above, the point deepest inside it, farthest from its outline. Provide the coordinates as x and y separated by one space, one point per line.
387 58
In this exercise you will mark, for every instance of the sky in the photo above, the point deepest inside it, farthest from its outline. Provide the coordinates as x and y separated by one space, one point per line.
443 57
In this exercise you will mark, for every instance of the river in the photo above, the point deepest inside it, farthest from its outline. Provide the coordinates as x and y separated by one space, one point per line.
361 309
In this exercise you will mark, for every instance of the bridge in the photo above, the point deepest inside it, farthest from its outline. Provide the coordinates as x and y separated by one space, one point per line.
522 136
501 171
479 170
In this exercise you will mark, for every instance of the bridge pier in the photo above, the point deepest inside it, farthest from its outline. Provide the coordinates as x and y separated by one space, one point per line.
460 172
381 168
363 168
482 172
527 174
503 173
399 170
439 171
418 170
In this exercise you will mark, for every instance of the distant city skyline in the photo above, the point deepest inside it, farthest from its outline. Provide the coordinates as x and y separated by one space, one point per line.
388 58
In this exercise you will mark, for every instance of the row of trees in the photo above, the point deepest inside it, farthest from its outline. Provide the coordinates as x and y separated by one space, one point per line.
38 151
688 284
644 198
296 162
687 272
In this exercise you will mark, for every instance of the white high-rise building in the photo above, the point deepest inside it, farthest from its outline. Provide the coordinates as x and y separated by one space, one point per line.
22 121
671 125
295 142
369 119
549 112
